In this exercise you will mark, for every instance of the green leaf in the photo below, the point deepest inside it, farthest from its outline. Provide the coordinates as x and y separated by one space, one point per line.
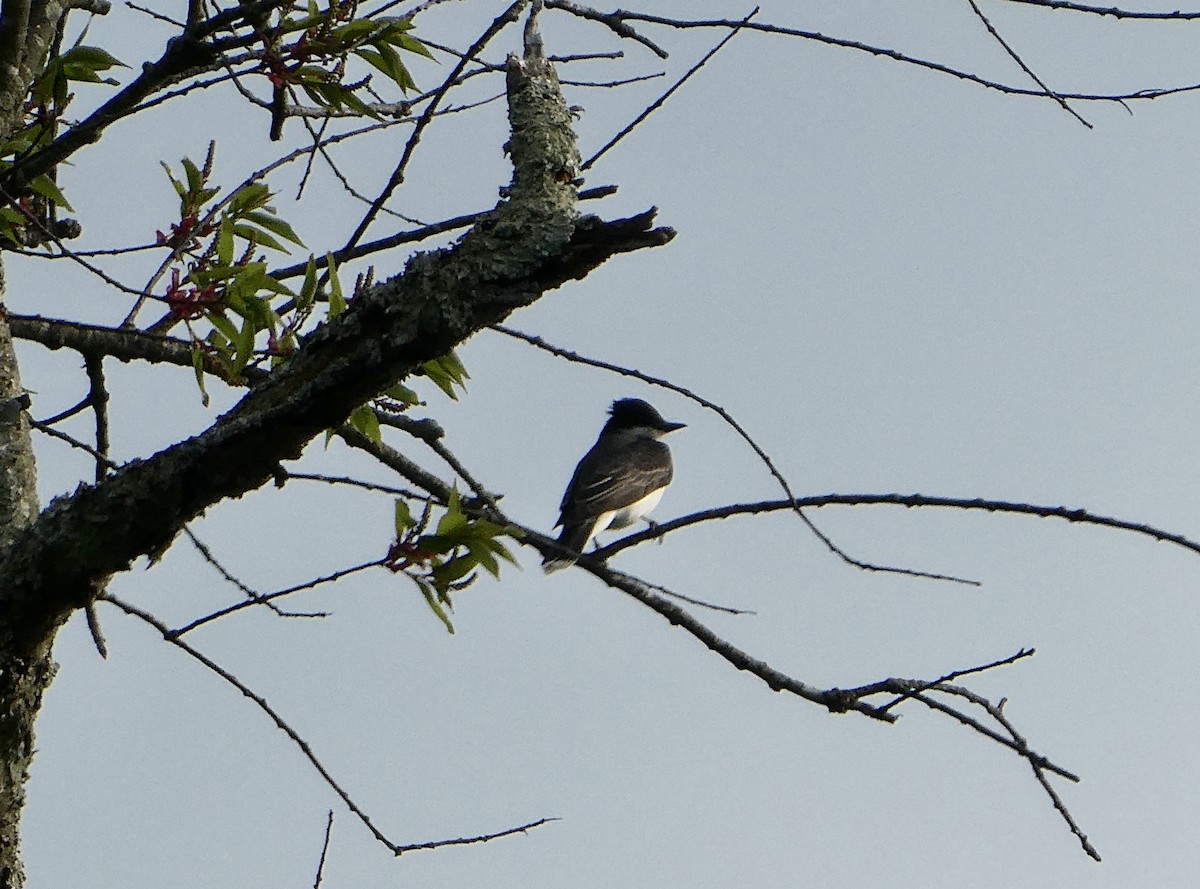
272 223
244 345
46 187
308 291
198 366
404 395
447 372
388 61
337 302
249 197
364 420
224 325
404 518
225 241
412 44
433 603
180 188
358 29
92 57
451 571
195 178
257 236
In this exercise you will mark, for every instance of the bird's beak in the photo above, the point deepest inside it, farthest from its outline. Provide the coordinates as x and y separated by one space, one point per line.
671 427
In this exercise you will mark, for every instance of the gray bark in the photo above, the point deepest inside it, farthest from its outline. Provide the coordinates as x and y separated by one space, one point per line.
25 675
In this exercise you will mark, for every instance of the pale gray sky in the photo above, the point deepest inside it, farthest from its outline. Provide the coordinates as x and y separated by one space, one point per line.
897 281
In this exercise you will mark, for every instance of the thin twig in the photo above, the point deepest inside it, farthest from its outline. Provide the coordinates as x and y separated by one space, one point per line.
73 442
1039 772
958 674
78 408
1112 11
1017 742
884 52
305 748
397 178
353 482
268 598
467 841
609 84
1078 516
324 851
252 596
784 485
658 103
261 703
834 699
700 603
612 21
1012 53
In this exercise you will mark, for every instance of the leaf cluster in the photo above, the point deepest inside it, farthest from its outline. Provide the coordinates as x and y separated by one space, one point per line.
446 560
324 40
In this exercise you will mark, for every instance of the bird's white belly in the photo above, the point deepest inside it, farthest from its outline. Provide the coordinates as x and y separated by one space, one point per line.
623 518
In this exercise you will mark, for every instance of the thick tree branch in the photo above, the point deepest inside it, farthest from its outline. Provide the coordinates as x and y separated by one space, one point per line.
533 242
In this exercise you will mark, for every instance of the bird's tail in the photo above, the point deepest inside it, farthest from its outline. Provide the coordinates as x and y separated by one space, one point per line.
574 538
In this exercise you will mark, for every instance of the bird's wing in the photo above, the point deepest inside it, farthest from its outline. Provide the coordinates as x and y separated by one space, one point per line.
611 480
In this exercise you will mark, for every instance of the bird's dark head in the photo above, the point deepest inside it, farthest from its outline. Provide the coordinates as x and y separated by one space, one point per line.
633 413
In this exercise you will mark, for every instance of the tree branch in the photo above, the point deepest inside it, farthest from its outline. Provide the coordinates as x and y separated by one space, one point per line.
186 52
1079 516
1112 11
533 242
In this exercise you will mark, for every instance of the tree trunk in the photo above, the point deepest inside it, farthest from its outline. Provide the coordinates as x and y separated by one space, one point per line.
25 665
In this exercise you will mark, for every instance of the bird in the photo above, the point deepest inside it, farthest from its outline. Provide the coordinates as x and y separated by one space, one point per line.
618 482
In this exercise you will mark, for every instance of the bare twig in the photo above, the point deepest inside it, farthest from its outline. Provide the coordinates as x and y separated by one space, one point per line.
252 596
156 15
700 603
834 699
353 482
958 674
324 851
261 702
846 700
895 55
467 841
1012 53
268 598
258 701
73 442
397 178
613 21
609 84
78 408
1078 516
661 100
1112 11
737 427
1017 742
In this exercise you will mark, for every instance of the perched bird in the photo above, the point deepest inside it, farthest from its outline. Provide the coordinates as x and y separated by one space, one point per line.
618 481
